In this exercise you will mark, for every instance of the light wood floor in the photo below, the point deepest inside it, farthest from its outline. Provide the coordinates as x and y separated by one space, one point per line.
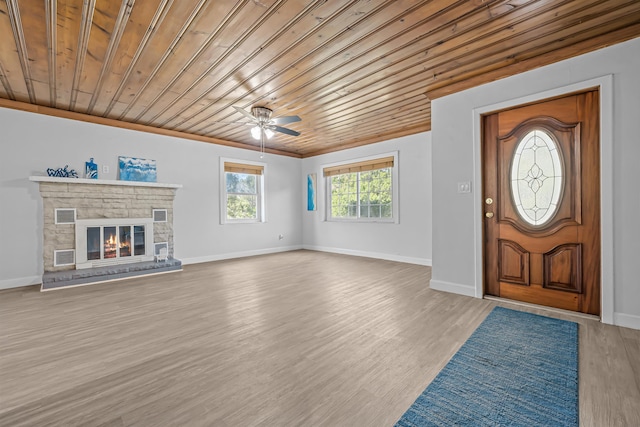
299 338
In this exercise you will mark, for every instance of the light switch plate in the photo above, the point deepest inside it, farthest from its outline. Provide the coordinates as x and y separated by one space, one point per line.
464 187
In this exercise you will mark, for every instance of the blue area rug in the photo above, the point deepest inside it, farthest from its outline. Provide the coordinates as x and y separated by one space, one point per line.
516 369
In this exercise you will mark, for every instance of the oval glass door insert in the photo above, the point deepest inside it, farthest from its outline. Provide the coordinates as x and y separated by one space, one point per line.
536 177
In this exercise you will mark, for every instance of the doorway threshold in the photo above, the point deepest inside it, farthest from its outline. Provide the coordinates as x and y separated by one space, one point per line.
543 307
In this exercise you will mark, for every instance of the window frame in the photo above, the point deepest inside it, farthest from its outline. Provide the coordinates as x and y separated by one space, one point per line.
395 197
260 186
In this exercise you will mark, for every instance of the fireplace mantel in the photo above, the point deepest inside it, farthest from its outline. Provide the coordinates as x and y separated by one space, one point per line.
101 182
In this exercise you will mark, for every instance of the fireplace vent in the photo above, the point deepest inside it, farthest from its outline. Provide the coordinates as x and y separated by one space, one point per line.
65 216
64 257
159 215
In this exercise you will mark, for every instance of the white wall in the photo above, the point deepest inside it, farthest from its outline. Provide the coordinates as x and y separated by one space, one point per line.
455 252
30 143
407 241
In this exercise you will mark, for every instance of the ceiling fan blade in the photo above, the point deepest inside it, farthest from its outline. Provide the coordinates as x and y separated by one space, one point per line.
245 113
285 119
284 130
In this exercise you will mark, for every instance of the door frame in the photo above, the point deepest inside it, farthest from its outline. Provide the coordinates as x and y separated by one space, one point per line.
604 84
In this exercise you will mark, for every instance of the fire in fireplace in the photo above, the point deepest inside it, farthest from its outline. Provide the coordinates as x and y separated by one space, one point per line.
115 241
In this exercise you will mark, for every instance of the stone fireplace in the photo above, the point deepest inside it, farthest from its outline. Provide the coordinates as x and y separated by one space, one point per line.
102 230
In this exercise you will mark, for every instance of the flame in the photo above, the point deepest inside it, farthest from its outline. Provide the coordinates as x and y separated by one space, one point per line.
110 244
117 246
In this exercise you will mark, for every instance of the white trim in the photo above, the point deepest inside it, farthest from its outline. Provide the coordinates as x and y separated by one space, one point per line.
363 220
626 320
101 182
20 282
605 86
455 288
395 188
222 198
376 255
244 254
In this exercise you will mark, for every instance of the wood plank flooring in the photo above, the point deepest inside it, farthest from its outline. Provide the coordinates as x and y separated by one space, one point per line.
291 339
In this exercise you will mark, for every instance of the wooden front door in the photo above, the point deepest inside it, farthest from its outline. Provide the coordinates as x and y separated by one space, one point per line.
541 203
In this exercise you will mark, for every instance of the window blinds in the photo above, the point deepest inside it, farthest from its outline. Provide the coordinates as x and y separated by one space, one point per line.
243 168
368 165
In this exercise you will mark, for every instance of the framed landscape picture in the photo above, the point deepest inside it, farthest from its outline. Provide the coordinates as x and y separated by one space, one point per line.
134 169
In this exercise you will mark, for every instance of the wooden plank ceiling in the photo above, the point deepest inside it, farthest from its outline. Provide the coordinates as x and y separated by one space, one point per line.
356 71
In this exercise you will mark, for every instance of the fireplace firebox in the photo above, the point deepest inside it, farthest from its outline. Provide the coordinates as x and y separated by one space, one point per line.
101 242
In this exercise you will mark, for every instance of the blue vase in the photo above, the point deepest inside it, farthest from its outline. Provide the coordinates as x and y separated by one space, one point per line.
91 169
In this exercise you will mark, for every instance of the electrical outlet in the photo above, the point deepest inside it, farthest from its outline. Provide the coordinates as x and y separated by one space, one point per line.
105 169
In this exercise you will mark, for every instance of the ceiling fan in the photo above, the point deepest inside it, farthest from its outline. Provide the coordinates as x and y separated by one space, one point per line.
264 125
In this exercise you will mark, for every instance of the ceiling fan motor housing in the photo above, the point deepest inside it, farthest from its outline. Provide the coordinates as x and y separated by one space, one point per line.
263 114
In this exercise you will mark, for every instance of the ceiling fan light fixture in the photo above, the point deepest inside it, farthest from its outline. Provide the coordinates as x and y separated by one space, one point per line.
255 132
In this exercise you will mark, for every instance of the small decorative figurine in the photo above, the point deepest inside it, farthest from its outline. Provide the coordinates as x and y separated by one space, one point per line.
91 169
62 172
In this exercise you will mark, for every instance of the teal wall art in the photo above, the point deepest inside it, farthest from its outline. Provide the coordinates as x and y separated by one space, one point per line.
311 192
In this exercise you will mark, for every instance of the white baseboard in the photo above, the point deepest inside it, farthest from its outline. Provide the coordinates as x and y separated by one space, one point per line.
377 255
244 254
626 320
454 288
36 280
20 282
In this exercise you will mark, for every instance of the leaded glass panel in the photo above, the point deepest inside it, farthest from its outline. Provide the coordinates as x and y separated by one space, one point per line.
536 177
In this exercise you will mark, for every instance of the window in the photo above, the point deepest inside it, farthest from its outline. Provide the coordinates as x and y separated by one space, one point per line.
242 192
363 190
